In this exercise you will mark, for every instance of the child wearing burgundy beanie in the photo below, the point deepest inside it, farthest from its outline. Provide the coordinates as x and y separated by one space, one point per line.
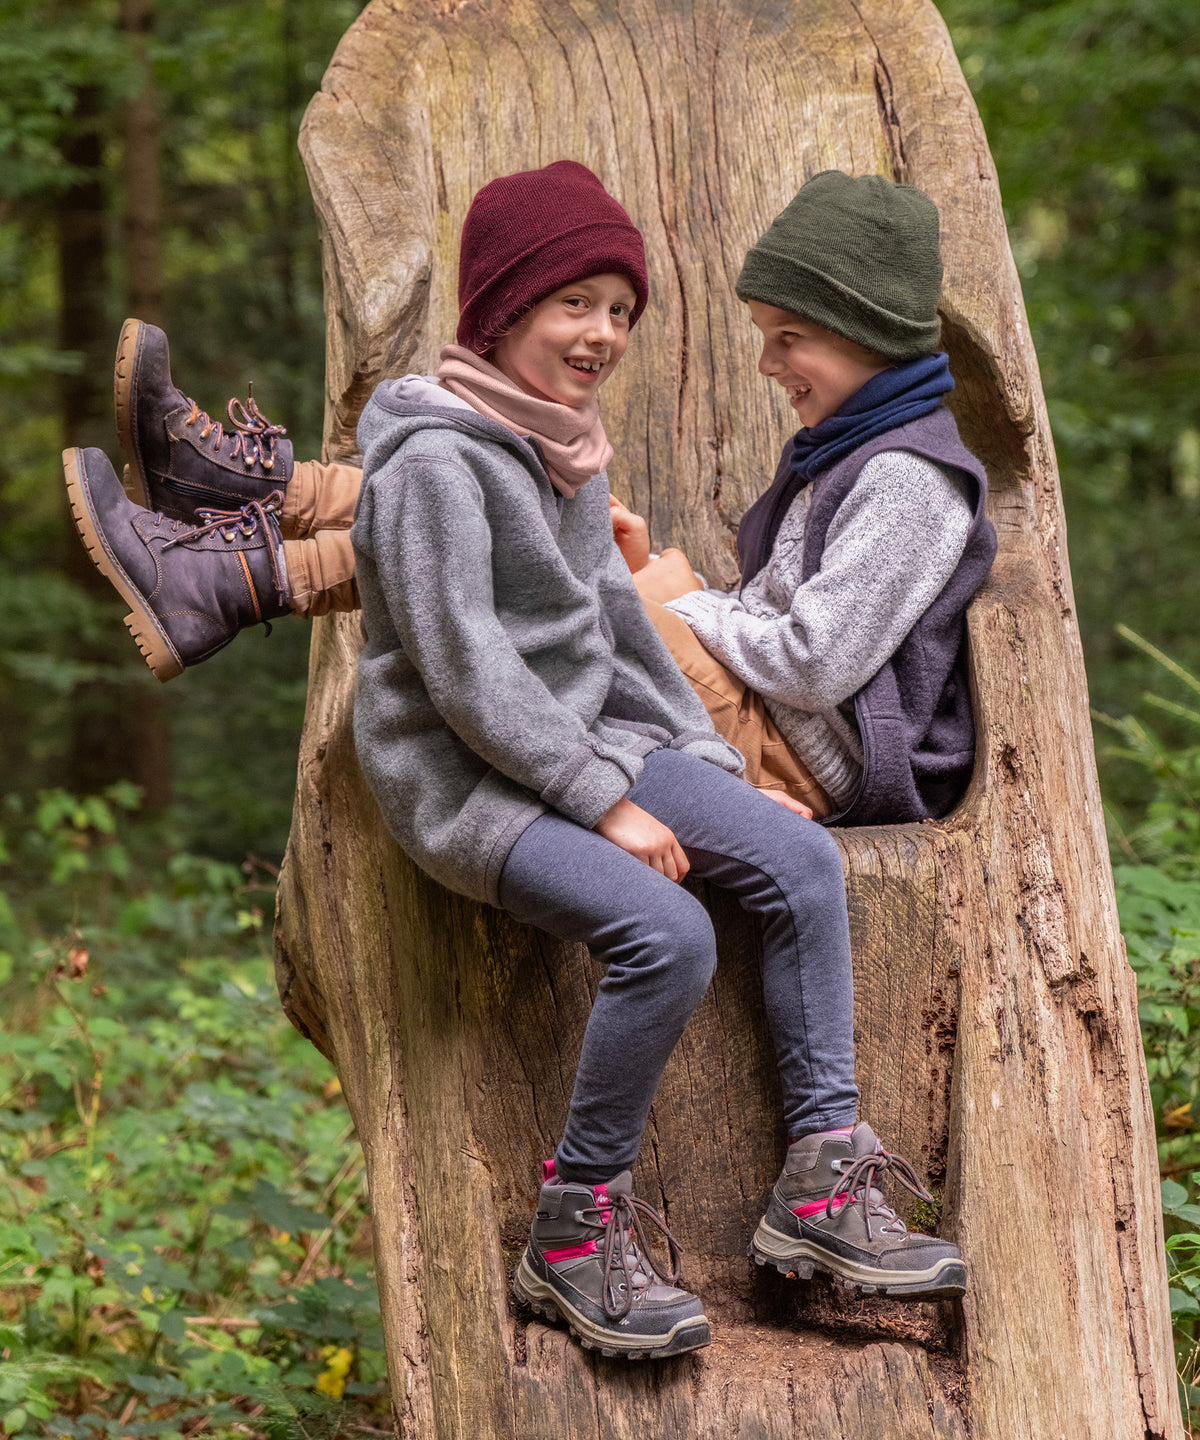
531 743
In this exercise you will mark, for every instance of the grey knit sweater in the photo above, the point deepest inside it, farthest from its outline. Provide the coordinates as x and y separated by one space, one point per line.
807 649
509 666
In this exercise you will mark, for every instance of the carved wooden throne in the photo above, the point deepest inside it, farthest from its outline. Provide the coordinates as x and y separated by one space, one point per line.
997 1037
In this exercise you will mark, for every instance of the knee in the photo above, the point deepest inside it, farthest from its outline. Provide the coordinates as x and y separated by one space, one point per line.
810 865
688 946
823 878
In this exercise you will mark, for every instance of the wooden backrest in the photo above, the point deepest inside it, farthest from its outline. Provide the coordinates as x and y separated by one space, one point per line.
997 1041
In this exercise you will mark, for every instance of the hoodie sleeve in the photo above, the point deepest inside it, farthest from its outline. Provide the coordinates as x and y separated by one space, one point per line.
431 543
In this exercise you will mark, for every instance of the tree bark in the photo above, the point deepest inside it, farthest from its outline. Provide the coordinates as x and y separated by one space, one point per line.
997 1034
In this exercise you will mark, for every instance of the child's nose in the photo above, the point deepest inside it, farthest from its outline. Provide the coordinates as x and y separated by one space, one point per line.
601 329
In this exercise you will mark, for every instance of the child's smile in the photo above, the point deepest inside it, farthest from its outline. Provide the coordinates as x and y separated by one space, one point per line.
820 370
570 342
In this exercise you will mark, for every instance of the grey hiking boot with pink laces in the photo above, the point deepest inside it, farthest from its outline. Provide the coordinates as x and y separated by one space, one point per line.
826 1214
178 460
589 1262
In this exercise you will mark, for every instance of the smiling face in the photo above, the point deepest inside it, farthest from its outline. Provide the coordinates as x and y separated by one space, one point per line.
819 369
568 344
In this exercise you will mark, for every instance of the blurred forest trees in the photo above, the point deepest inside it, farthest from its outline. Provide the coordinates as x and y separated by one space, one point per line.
148 165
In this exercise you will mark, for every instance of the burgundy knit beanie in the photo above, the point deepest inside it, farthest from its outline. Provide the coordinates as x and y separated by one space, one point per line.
526 235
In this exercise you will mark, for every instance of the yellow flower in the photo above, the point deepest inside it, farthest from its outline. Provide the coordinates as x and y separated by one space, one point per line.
332 1380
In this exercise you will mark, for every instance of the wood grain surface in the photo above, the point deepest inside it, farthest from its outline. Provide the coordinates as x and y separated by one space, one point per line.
997 1036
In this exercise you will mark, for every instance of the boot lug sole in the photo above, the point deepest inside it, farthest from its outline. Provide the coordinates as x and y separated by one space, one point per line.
543 1300
133 479
946 1280
151 639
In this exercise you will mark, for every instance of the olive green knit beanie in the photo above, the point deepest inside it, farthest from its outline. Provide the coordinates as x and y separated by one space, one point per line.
857 255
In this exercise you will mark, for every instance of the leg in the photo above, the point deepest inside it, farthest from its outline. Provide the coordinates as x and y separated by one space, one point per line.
321 572
658 944
586 1260
788 872
824 1211
740 716
319 497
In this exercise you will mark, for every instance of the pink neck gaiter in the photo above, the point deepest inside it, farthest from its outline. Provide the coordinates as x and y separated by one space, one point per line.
573 441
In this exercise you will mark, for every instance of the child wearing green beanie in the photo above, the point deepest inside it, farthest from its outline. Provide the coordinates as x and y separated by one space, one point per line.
838 667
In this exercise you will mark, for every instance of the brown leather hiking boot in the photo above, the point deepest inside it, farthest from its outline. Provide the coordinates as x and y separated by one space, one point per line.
190 588
588 1262
178 460
825 1214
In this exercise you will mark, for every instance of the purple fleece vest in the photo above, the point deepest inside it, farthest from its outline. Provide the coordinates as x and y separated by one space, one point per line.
914 713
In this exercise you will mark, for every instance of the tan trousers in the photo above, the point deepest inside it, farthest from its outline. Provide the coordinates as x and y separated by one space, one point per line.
318 510
739 715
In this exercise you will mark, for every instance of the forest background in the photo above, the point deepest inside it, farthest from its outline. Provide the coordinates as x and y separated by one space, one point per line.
184 1239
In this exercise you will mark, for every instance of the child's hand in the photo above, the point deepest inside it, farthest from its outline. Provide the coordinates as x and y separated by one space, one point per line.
639 834
781 798
667 578
631 535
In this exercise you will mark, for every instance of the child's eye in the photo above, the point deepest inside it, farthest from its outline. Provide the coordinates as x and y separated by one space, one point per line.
575 301
619 309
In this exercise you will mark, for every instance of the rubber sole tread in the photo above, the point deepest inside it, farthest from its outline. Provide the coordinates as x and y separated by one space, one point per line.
953 1288
133 480
549 1311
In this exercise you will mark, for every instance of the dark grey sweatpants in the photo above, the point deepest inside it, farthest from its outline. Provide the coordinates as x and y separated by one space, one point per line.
658 944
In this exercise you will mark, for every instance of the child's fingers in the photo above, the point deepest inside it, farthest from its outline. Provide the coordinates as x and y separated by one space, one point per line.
796 806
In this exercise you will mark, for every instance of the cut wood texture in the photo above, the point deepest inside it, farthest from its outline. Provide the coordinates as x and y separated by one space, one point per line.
997 1035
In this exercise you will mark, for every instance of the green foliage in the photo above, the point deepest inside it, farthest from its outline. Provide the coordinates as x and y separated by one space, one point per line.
1092 109
1157 876
183 1233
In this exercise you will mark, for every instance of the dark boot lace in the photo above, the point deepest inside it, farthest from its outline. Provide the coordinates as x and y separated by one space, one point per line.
229 523
626 1253
253 435
857 1183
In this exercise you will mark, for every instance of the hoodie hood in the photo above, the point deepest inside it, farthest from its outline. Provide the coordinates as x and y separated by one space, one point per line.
399 408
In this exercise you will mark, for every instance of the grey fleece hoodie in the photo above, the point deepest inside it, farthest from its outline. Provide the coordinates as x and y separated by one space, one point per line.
509 666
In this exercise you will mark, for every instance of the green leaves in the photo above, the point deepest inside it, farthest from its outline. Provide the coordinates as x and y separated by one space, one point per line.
171 1153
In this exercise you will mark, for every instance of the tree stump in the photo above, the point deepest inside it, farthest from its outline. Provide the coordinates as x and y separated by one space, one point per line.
997 1036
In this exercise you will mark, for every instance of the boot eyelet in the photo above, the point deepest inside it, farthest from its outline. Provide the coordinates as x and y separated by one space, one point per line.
228 535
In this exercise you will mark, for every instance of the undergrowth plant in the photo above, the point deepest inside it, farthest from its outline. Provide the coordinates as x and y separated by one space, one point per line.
184 1237
1156 855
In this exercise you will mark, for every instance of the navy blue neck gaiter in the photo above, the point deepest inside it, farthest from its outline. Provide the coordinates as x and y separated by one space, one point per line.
885 402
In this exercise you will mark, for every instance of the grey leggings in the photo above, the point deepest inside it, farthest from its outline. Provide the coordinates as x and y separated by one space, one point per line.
657 941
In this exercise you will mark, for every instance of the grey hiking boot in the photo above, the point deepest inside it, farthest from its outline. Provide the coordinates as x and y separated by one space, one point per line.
588 1262
178 461
190 588
825 1214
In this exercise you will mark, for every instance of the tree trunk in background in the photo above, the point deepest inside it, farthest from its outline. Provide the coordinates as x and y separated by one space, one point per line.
101 738
144 298
997 1034
118 722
